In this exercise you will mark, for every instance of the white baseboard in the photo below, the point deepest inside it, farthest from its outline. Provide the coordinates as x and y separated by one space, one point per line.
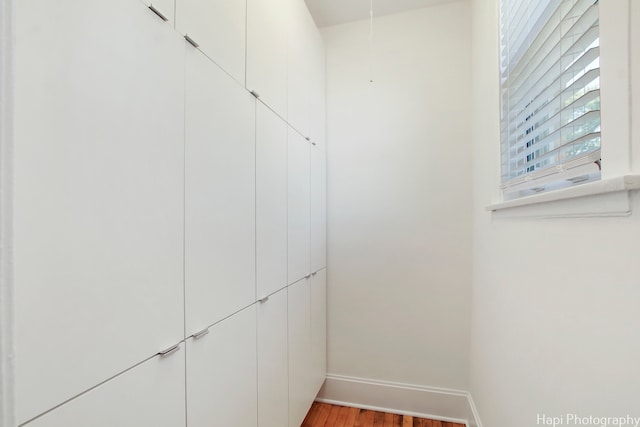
408 399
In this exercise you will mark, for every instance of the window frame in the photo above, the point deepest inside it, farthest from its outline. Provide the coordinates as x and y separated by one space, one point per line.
615 117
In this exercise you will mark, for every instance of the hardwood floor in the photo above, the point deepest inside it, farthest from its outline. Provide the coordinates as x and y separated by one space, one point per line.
325 415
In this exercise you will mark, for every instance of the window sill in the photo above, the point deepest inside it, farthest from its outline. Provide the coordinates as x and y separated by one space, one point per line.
607 197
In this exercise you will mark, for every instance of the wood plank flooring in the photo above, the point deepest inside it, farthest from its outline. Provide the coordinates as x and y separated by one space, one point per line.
325 415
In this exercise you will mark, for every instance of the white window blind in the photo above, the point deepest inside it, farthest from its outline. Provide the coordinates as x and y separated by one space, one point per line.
550 94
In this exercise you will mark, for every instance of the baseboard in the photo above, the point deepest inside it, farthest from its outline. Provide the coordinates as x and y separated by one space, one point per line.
408 399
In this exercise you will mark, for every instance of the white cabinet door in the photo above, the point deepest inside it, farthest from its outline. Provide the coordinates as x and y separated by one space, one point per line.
299 205
220 194
271 202
318 208
99 190
301 388
222 375
317 85
151 394
273 386
319 328
300 67
218 28
166 8
267 23
306 74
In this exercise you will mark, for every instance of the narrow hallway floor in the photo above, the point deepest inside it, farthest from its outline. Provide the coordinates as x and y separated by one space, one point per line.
326 415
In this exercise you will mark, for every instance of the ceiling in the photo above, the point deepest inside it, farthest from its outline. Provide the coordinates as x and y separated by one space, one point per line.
333 12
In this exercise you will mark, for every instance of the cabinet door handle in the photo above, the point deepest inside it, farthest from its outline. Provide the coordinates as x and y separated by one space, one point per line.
191 41
200 334
308 277
314 273
254 93
157 12
263 299
169 351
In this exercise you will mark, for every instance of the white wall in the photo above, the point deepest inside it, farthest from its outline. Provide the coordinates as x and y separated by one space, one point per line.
399 198
555 301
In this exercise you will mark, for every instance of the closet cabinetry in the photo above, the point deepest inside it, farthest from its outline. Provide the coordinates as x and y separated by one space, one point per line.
218 28
318 203
307 343
298 207
271 202
273 374
221 373
219 194
170 228
300 356
99 171
151 394
267 22
306 71
318 300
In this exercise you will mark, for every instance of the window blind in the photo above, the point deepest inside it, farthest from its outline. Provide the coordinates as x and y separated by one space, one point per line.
550 94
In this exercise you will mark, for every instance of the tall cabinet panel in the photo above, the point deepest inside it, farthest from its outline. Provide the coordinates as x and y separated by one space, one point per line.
318 89
220 194
299 205
318 207
271 202
319 328
151 394
218 29
98 194
222 373
301 389
300 67
273 386
267 51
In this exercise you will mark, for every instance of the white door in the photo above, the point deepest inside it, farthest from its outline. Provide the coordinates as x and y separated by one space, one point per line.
151 394
271 202
319 328
218 28
222 374
301 387
267 23
273 374
98 194
220 194
299 205
318 207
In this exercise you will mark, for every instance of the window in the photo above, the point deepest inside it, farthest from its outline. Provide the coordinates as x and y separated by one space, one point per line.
550 94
